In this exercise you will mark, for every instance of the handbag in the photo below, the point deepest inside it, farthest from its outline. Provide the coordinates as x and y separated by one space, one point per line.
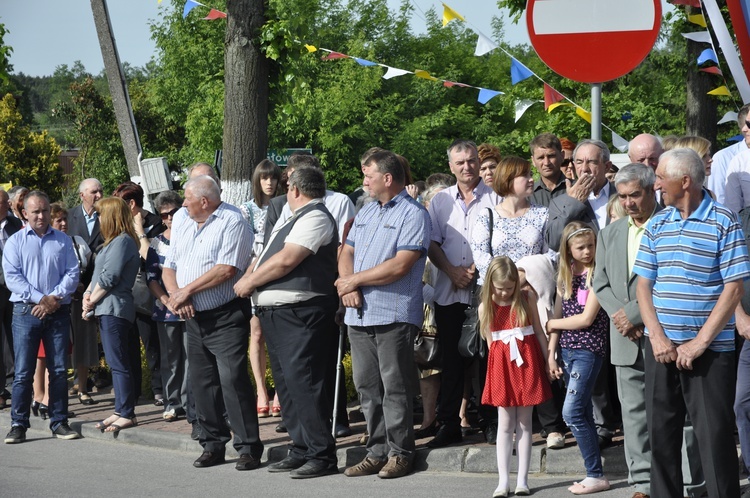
426 345
471 344
142 298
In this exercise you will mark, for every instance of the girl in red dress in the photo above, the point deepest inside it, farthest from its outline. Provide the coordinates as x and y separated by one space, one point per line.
516 370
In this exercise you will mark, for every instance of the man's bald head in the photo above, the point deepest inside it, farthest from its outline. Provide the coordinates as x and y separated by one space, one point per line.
202 169
645 149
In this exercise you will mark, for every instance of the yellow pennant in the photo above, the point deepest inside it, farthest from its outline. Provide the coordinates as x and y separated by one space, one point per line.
584 114
722 90
554 106
310 48
450 14
698 19
421 73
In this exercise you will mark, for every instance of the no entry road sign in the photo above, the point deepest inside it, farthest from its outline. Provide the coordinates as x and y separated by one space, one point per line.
593 41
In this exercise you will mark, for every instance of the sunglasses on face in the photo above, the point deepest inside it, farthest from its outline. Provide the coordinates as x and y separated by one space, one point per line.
171 213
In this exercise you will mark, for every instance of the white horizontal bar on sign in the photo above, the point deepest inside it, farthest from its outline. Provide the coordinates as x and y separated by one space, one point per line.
557 17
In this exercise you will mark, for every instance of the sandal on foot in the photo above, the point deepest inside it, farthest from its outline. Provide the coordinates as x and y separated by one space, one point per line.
276 411
86 399
579 489
102 426
116 427
263 411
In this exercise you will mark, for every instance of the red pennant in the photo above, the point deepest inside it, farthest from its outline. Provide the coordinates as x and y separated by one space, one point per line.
711 69
448 84
691 3
551 96
333 55
215 14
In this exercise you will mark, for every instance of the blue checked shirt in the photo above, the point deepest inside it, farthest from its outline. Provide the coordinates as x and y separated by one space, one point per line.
689 262
378 233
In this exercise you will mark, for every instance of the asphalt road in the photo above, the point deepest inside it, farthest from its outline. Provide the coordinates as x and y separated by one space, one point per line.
49 467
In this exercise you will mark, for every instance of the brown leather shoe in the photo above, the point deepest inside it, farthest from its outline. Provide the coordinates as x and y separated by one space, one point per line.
366 467
397 466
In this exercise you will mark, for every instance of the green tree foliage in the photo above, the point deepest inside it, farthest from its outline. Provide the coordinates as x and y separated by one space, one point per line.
95 133
27 158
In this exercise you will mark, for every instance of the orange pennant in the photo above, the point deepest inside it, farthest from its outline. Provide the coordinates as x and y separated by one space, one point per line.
551 96
215 14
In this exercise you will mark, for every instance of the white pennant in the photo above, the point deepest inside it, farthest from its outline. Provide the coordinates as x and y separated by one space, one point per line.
393 72
620 143
731 116
522 106
698 36
484 45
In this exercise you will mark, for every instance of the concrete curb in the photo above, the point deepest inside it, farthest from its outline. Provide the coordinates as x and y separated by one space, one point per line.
460 458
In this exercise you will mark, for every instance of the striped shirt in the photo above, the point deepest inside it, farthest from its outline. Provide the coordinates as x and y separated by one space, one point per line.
378 233
690 261
225 239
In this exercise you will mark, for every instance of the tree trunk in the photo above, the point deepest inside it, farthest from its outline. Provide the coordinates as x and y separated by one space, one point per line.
245 99
700 115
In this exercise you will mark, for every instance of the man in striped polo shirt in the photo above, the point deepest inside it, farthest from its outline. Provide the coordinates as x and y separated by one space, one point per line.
691 264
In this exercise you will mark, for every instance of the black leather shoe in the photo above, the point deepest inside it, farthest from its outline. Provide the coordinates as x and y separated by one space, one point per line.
286 465
428 431
490 433
446 435
314 468
604 442
281 427
208 459
247 462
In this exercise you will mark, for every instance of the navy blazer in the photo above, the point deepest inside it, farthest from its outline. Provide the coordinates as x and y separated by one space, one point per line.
77 226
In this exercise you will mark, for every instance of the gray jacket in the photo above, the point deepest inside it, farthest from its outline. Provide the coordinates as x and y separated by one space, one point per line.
115 269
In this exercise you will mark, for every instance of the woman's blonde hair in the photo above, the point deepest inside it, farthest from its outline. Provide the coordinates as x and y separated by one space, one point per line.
615 205
573 231
699 144
115 218
501 269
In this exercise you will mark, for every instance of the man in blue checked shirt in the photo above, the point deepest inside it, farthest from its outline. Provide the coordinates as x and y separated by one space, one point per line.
691 264
380 284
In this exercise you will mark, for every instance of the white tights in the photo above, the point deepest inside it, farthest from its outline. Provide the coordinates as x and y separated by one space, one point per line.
510 420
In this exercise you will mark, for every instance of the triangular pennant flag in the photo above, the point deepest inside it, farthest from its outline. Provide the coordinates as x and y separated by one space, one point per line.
691 3
698 19
735 138
698 36
450 14
334 55
421 73
521 107
364 62
518 72
485 95
393 72
711 70
620 143
584 114
484 45
158 1
189 5
731 116
707 55
310 48
215 14
551 96
722 90
555 105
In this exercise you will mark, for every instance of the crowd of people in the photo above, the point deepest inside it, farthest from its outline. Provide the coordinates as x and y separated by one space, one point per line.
606 296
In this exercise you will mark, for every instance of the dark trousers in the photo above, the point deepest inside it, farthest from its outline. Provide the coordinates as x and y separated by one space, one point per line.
6 337
300 342
549 413
607 411
149 334
449 320
705 393
217 365
115 339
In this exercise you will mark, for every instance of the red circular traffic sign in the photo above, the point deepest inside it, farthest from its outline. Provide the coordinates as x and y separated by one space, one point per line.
593 41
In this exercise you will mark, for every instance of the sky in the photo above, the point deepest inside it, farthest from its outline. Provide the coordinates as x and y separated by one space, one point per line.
47 33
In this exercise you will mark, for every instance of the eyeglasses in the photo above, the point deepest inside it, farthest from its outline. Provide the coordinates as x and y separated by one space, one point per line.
171 213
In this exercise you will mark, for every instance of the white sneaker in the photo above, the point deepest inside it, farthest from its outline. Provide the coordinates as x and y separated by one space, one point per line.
555 441
170 415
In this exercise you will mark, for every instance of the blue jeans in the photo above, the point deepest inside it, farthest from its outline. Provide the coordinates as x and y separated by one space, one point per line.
581 369
54 332
115 337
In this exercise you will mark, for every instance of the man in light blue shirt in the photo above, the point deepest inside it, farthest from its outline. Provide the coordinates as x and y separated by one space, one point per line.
41 271
380 284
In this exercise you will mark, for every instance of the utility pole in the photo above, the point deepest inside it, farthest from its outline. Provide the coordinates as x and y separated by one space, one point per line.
118 87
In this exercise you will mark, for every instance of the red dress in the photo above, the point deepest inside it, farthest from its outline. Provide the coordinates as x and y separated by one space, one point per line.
509 384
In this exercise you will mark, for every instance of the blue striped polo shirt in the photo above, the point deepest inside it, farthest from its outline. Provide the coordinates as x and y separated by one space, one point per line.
378 233
690 260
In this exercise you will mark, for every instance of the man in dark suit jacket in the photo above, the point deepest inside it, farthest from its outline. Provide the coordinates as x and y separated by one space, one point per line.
8 226
615 286
83 220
